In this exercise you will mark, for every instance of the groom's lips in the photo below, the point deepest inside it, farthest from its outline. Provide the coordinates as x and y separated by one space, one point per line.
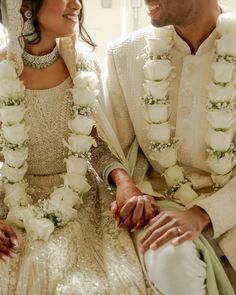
153 8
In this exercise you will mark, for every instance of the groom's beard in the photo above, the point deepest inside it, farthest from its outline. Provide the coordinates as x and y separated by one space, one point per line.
169 12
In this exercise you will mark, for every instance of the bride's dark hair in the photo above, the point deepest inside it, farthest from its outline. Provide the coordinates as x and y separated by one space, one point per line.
36 4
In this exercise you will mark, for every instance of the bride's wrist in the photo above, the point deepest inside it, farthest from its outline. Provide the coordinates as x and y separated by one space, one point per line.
120 176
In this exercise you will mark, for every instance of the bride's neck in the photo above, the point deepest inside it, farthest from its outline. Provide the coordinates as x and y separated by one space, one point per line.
44 47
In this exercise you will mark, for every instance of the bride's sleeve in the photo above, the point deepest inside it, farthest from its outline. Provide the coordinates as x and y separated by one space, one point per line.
102 159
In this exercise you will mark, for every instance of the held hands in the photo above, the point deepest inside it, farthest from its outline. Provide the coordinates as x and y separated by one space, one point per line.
176 226
132 209
8 241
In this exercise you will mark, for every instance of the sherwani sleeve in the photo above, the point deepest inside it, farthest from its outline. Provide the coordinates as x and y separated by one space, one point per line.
117 109
221 207
116 104
102 156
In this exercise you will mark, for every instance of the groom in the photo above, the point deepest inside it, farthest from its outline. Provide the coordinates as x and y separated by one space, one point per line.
169 267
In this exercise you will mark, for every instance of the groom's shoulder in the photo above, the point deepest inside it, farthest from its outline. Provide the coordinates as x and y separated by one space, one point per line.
132 40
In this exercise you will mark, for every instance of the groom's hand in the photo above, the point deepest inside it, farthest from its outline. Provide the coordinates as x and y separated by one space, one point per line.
175 226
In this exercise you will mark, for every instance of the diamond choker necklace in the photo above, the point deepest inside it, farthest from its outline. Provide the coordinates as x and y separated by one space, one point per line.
40 62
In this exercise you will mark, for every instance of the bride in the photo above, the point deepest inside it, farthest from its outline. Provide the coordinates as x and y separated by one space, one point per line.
62 239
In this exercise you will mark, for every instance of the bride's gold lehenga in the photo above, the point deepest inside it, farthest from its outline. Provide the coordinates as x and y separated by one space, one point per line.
88 255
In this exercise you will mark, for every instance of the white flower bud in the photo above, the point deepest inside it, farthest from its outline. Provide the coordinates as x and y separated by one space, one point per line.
159 45
166 31
76 165
226 24
221 93
67 213
221 119
80 143
10 87
174 175
159 132
15 158
7 70
221 180
185 194
223 72
158 90
16 195
221 166
156 113
16 216
12 114
15 134
76 182
64 195
14 174
157 70
219 140
84 97
81 125
226 45
86 79
165 158
38 229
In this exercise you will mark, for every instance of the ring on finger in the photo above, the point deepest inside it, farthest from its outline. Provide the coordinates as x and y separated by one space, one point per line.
178 230
2 235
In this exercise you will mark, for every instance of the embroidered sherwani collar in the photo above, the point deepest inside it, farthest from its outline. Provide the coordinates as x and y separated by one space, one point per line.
206 45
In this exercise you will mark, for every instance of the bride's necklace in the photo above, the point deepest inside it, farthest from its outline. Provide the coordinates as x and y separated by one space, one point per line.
220 111
42 61
40 220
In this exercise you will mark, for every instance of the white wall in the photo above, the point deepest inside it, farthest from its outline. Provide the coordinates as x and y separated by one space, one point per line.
229 4
105 24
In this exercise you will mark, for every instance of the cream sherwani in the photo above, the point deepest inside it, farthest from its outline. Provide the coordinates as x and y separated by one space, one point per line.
188 99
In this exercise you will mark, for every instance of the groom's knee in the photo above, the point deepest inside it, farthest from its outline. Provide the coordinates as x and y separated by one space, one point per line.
173 265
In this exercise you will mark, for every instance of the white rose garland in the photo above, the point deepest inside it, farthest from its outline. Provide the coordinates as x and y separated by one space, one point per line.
40 220
220 106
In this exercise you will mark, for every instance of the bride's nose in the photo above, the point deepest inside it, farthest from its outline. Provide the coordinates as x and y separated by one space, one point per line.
75 4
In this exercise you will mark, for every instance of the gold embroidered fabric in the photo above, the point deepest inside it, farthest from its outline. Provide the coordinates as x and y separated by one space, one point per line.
88 255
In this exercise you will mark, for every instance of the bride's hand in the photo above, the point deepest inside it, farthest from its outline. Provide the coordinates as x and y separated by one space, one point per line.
126 200
8 240
143 210
135 213
132 208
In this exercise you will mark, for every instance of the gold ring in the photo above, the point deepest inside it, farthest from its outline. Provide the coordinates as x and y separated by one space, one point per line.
179 231
2 236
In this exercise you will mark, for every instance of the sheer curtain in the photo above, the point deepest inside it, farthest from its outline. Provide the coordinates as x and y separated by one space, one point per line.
3 38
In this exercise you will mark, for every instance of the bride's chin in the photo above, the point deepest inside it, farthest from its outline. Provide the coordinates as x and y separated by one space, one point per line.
67 33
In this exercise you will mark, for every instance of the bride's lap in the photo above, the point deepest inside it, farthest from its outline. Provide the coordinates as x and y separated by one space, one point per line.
87 256
68 263
64 264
